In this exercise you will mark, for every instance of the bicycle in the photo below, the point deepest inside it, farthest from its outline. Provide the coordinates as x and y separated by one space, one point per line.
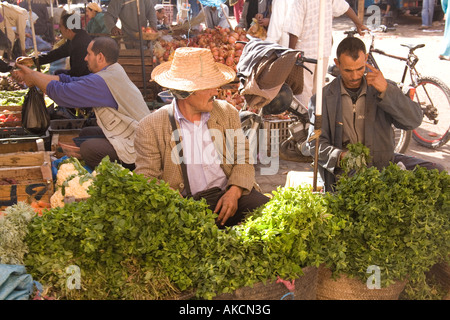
431 93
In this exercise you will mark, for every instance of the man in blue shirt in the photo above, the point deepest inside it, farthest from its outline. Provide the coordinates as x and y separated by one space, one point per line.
117 102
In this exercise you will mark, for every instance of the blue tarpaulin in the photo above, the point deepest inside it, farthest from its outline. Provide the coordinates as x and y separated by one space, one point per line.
15 283
212 3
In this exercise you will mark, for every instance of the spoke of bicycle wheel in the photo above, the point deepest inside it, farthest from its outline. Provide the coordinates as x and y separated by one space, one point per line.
435 102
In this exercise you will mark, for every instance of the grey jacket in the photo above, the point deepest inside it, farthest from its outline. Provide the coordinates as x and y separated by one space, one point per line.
393 109
126 11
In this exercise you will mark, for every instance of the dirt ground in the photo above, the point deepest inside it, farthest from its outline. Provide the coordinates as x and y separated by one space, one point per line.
406 31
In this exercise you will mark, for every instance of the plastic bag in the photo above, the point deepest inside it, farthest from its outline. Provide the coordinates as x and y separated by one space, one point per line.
35 117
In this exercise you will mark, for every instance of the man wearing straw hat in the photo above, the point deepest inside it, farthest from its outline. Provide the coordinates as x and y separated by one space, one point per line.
211 159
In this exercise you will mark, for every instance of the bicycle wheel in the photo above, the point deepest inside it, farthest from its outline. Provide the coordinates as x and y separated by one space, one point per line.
402 139
433 97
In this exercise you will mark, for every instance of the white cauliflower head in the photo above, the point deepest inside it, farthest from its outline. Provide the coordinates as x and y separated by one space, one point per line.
65 170
78 189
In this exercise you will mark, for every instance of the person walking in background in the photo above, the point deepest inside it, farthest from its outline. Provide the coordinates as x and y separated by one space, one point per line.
216 17
427 14
446 51
275 30
96 23
302 26
125 11
237 8
14 16
250 10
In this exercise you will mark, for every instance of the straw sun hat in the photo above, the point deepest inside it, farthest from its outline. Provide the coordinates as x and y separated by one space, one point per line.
192 69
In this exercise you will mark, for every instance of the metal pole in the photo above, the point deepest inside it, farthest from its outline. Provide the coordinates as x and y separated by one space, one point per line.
33 33
319 85
141 45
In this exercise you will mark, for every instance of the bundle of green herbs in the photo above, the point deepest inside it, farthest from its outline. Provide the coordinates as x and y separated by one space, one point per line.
397 220
13 230
138 239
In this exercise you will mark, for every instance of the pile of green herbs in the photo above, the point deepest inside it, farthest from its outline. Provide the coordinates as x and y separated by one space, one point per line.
395 219
13 230
138 239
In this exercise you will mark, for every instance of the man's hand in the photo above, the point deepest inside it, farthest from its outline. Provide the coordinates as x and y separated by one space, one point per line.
115 31
33 78
228 204
360 28
26 61
24 74
376 79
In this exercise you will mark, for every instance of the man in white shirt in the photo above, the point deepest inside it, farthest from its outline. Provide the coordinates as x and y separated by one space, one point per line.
275 30
302 25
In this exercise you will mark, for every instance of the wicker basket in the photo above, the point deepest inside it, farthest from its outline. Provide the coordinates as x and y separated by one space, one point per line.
305 289
148 36
441 273
70 150
344 288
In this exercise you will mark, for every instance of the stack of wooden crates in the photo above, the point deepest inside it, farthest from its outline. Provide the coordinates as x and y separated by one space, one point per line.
131 61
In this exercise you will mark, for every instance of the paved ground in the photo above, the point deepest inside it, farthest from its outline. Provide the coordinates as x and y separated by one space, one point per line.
429 64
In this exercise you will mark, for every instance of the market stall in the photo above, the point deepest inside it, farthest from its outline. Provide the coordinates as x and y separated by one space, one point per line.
383 233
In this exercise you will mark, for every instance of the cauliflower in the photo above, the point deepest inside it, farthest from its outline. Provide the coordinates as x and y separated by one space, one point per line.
72 182
57 199
68 168
77 188
65 170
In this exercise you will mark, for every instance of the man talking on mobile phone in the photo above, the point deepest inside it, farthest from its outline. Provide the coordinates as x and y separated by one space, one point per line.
360 107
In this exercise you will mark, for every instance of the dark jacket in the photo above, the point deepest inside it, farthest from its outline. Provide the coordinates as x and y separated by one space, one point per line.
380 114
76 49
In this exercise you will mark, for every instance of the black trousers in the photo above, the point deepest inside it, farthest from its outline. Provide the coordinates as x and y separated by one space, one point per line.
246 203
411 162
96 147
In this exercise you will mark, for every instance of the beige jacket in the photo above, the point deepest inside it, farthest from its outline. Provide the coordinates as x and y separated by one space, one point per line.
119 125
154 148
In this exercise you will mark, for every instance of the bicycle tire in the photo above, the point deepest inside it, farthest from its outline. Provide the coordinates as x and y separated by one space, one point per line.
402 139
430 134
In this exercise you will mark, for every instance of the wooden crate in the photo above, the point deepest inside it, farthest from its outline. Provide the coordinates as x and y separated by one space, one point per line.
13 110
130 60
168 10
24 143
32 175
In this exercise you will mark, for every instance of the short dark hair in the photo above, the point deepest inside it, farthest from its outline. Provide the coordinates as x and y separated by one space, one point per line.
108 47
351 46
64 17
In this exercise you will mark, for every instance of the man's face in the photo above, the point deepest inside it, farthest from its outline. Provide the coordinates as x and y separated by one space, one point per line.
352 71
160 14
91 59
204 99
64 30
